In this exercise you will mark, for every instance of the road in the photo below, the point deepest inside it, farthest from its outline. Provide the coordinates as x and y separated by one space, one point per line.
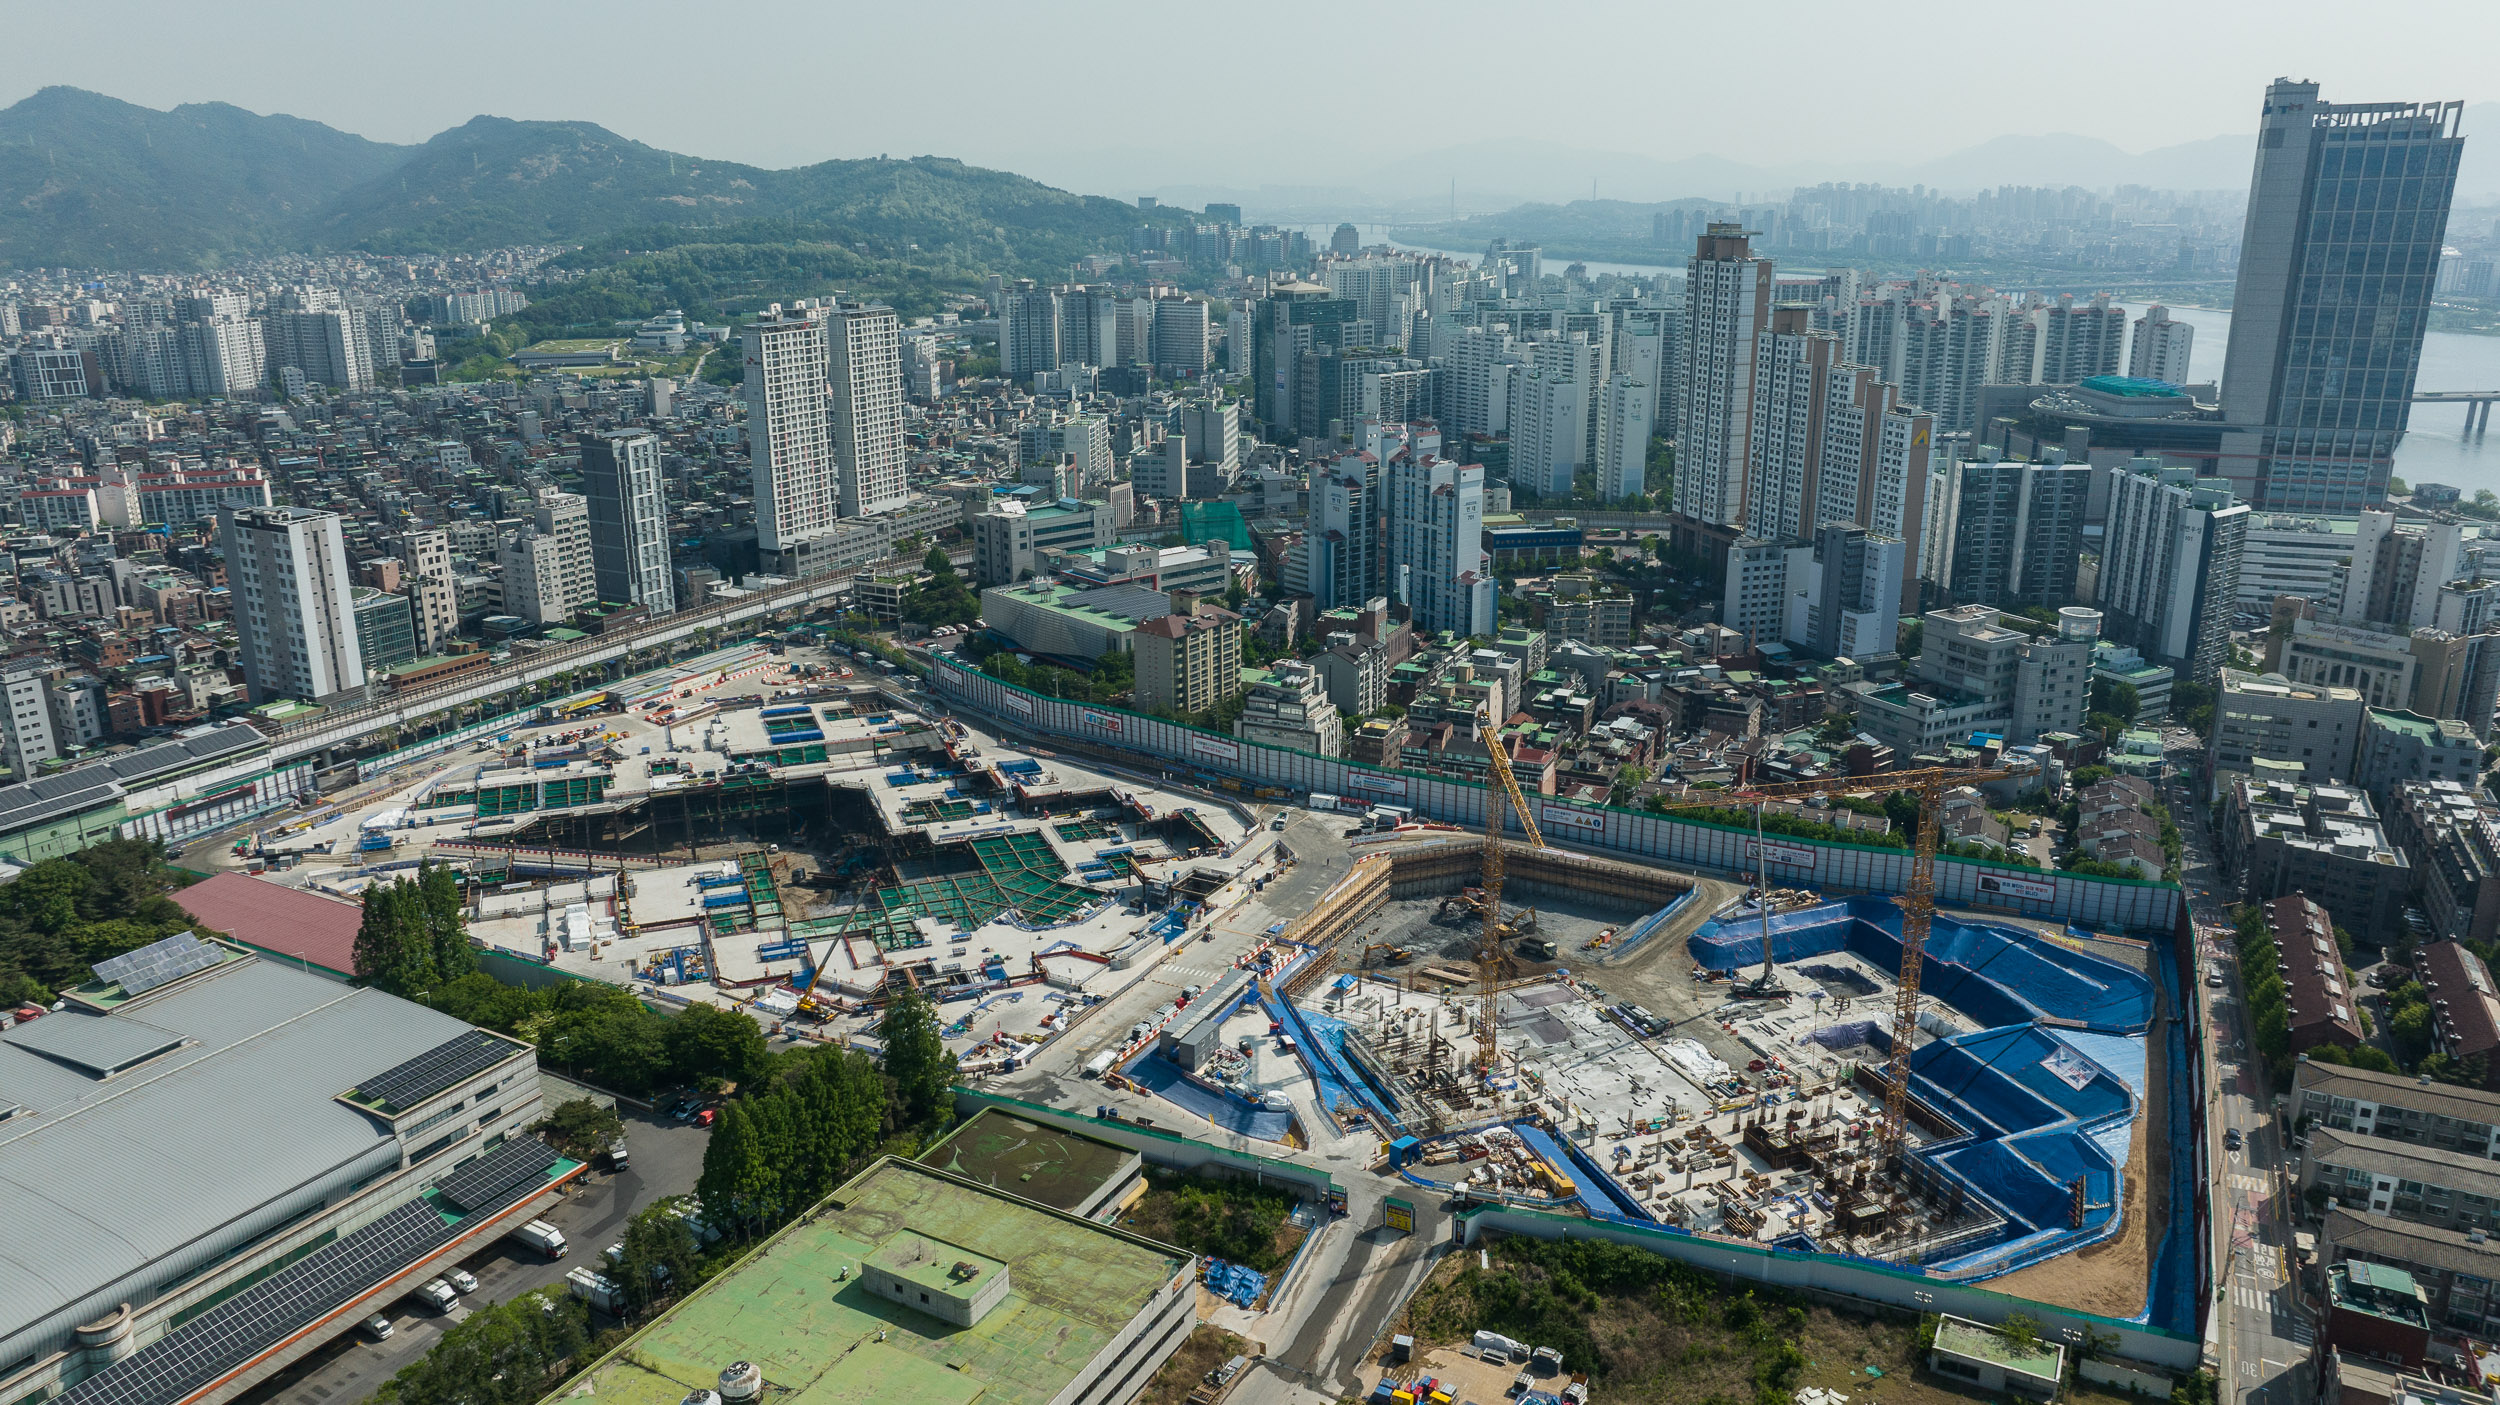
667 1159
2261 1330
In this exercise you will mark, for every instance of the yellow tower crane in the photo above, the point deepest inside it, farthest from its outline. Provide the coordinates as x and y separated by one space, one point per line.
1917 899
1489 955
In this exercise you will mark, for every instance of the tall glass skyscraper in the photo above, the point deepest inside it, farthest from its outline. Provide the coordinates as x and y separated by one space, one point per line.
2346 214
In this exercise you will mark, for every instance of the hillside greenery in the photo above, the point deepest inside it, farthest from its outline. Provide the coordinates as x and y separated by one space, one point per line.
63 915
100 182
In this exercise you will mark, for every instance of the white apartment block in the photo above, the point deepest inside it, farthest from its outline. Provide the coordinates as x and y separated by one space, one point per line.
1624 421
1792 371
789 432
2163 349
432 591
1548 418
565 517
865 370
1436 545
2080 340
1727 303
28 740
293 604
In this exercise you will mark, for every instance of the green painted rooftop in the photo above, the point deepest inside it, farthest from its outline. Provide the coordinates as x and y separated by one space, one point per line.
1024 1158
1072 1285
1985 1344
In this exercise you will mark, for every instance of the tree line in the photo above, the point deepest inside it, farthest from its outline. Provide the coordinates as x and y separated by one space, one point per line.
61 916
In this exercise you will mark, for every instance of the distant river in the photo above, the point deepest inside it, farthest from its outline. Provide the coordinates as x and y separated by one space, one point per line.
2433 451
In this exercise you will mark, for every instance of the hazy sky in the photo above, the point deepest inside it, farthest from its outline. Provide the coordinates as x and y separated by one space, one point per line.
1087 92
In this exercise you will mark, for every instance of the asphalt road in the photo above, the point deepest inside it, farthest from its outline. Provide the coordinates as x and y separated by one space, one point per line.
667 1158
2261 1330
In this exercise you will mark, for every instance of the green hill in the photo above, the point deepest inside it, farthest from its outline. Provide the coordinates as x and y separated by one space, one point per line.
115 185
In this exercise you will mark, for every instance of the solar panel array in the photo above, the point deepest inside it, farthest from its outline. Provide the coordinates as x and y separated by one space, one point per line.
446 1065
493 1178
203 1350
141 971
231 1333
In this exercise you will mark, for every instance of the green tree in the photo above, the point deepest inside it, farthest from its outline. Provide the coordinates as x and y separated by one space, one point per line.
2116 699
414 935
660 1258
2021 1331
580 1128
705 1041
738 1185
507 1353
917 1062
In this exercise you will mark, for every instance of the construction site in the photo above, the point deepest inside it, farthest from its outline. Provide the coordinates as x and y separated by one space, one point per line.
1981 1098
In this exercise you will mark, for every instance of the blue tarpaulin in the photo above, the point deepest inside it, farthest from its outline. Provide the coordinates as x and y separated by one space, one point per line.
1232 1281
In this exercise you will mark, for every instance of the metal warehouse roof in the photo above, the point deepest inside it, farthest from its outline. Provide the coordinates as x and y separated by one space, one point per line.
82 788
115 1188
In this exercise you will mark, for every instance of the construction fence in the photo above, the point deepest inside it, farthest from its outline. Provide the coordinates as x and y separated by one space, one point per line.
2104 904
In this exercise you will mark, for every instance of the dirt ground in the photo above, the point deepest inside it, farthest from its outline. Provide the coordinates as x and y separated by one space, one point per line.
2112 1278
1204 1349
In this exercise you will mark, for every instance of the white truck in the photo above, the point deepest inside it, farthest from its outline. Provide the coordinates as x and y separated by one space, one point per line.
1101 1063
596 1289
543 1237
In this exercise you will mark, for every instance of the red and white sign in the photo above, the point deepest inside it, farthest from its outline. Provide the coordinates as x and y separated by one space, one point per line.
1214 749
2000 885
1577 821
1370 784
1102 721
1016 702
1771 851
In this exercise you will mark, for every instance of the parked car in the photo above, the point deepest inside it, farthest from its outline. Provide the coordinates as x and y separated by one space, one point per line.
378 1327
461 1279
706 1117
2232 1140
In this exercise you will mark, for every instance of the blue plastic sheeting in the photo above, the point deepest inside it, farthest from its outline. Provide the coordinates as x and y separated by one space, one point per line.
1164 1078
2176 1272
1232 1281
1995 975
1598 1190
1320 1040
2121 1054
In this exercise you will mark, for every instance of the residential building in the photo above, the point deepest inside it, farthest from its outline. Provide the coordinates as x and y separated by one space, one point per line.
292 610
2170 565
1548 417
2302 438
2396 572
432 591
624 486
537 585
1727 305
864 374
2453 838
1753 599
565 517
2121 663
1355 676
1028 329
2319 1007
328 346
1189 660
2465 1008
1856 593
1343 534
30 738
1289 708
790 446
2454 1270
2397 747
2079 340
386 629
2267 717
1791 386
2162 347
2016 530
2396 1106
2377 1311
2322 841
1624 417
1436 545
1874 470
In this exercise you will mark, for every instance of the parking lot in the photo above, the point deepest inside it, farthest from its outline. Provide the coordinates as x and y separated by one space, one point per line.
667 1157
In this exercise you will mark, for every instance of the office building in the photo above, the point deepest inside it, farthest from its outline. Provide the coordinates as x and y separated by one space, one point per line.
1009 541
2399 747
2016 530
628 509
2453 834
2278 838
1290 708
56 368
293 613
2309 429
789 432
1727 306
1437 564
1293 321
432 592
1791 384
2305 557
2078 340
2053 678
973 1278
2162 348
1187 661
2270 718
864 370
386 629
2170 565
1968 665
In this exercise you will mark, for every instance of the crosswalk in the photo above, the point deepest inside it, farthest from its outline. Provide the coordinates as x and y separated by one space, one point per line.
2255 1185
